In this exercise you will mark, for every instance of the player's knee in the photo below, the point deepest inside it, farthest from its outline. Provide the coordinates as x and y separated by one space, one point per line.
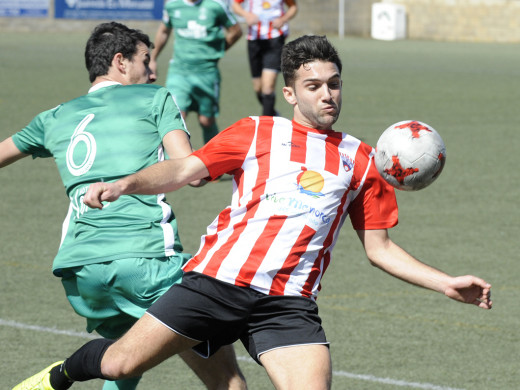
206 121
119 366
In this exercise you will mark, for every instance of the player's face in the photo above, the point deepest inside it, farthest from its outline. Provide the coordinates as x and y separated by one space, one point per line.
316 95
138 69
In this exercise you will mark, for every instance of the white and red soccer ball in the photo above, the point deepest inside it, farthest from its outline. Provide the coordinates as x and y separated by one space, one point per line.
410 155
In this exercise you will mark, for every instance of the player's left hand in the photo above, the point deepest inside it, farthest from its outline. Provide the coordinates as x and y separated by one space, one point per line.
470 289
98 193
277 23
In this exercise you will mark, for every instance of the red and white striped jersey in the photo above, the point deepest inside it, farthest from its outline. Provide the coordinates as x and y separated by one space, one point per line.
267 11
293 187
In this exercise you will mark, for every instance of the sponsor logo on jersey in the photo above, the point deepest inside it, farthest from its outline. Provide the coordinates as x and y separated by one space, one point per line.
310 183
348 163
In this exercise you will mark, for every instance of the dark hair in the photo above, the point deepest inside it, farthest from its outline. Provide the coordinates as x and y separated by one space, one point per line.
303 50
106 41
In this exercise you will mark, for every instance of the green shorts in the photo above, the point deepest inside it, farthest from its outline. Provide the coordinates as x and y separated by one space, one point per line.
196 91
114 294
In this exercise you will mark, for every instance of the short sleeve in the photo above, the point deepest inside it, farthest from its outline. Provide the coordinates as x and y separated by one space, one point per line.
31 139
166 19
226 152
375 206
167 114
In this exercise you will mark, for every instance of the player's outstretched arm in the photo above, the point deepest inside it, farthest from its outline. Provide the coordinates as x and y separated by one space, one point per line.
9 153
385 254
165 176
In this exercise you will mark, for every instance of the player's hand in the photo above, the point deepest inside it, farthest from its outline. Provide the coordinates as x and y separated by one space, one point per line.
470 289
98 193
278 23
251 19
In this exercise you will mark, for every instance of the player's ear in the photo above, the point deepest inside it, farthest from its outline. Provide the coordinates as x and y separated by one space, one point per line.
119 63
289 95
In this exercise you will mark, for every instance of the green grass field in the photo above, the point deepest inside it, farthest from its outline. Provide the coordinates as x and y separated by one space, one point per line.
384 334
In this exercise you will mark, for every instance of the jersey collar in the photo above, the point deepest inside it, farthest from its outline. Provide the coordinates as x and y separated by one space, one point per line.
103 84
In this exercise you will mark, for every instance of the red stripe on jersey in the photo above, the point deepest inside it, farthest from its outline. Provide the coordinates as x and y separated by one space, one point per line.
298 146
258 27
216 260
316 270
209 241
290 263
263 146
257 255
332 158
270 33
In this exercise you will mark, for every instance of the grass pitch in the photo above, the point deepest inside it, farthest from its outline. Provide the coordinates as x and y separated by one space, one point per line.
384 334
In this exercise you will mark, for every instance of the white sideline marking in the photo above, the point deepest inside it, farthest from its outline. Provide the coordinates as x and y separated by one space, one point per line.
368 378
19 325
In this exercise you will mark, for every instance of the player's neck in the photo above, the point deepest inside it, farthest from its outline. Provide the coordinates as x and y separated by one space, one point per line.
104 78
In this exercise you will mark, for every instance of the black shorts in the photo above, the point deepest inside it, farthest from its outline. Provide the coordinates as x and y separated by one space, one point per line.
217 313
265 54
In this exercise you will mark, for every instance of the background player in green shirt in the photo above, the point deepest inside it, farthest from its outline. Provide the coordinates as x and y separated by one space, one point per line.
203 31
115 263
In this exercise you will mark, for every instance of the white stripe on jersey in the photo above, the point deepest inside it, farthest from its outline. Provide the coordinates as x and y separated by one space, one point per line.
169 234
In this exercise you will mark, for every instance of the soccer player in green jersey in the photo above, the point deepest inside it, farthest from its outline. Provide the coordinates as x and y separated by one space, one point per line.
203 31
116 262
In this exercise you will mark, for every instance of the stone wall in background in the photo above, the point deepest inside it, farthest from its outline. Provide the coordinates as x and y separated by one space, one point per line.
441 20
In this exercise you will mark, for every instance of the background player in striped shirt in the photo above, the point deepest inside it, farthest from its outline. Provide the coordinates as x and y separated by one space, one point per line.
115 264
268 28
203 31
259 267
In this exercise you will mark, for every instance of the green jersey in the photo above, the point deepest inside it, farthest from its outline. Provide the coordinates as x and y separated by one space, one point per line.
111 132
198 29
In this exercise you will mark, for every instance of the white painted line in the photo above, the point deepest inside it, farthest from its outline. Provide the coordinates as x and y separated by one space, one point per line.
367 378
19 325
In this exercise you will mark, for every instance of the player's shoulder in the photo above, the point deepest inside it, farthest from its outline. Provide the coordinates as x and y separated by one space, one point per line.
143 87
216 3
140 90
169 4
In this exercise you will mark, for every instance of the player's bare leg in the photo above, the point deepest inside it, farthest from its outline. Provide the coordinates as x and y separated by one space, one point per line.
145 345
219 372
299 368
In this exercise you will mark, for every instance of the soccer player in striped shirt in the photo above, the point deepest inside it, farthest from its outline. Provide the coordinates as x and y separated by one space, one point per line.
268 27
257 273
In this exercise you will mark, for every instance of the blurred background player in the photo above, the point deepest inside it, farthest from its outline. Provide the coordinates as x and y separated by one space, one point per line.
268 28
114 264
203 31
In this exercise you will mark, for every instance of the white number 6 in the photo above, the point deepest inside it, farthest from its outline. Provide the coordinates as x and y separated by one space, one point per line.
80 135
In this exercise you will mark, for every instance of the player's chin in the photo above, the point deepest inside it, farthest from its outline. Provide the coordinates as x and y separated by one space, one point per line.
328 119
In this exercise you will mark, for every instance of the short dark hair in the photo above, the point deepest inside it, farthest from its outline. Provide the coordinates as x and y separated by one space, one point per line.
303 50
106 41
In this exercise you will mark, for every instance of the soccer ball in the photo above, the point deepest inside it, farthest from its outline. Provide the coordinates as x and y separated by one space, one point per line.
410 155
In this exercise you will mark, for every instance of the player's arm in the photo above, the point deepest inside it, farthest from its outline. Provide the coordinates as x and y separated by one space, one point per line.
162 177
249 17
291 12
386 255
161 38
233 34
9 153
177 145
